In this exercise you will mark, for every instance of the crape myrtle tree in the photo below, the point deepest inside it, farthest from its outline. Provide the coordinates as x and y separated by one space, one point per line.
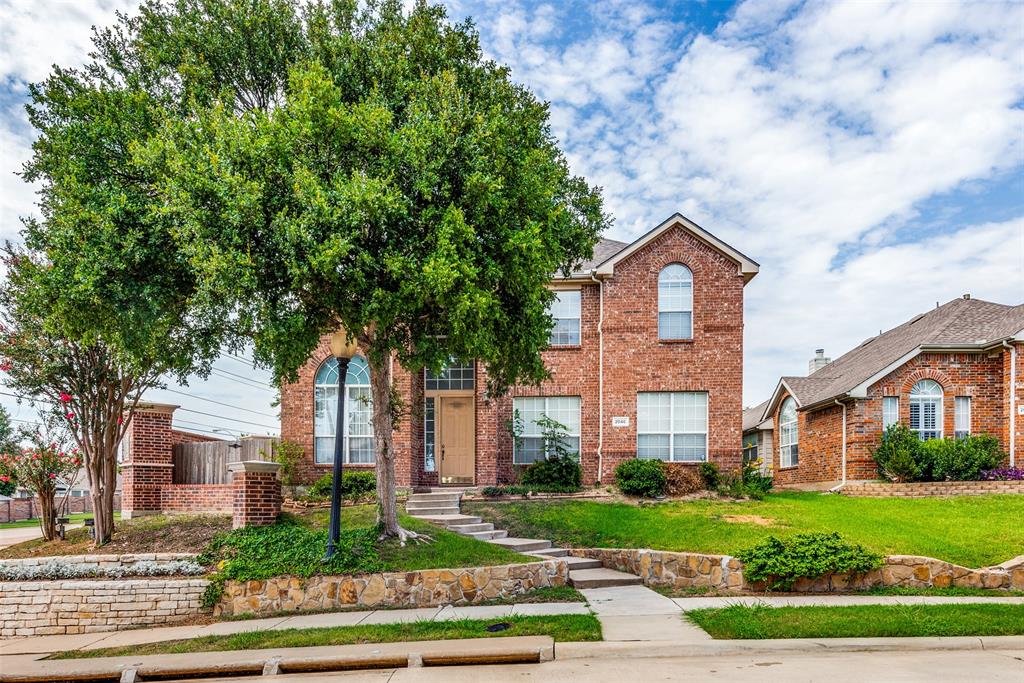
100 304
404 188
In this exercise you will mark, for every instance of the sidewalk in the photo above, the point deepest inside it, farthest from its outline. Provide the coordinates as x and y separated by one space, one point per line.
824 600
93 641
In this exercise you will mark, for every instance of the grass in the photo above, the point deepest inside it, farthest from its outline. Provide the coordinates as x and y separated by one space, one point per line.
563 628
951 591
973 531
76 518
867 621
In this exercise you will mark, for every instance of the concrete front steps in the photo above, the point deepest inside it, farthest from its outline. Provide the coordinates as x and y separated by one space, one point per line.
442 506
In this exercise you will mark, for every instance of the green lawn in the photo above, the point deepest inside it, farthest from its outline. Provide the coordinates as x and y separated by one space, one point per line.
974 531
76 518
563 628
866 621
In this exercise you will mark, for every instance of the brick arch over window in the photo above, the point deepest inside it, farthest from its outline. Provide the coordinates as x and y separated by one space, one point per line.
927 373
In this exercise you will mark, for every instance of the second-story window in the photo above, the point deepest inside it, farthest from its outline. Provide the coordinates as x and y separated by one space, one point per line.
675 302
565 309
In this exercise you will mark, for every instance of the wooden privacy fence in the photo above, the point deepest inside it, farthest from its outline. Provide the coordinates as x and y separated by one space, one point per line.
206 462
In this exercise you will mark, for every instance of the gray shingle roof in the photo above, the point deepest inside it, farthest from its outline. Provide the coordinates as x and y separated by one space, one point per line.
752 416
960 322
603 251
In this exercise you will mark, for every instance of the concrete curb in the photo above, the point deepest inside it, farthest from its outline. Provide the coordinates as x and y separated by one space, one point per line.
523 649
799 645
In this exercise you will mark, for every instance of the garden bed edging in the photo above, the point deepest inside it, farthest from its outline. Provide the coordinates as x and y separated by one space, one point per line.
421 588
927 489
722 572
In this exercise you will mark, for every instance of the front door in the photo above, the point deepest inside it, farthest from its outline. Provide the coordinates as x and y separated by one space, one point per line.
456 440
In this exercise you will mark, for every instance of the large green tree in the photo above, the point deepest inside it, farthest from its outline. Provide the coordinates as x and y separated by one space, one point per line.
402 187
100 304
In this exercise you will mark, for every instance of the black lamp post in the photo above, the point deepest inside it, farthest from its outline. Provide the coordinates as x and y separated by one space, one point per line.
343 351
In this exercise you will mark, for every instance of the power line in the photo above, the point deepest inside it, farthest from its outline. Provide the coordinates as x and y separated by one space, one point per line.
224 417
220 403
235 374
255 384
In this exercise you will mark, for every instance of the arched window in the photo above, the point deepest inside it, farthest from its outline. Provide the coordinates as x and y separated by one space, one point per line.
789 435
358 437
926 409
675 302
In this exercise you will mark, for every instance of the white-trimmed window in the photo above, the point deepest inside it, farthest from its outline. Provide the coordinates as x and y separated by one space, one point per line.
672 426
890 411
675 302
530 445
926 409
961 416
789 435
750 445
358 437
565 310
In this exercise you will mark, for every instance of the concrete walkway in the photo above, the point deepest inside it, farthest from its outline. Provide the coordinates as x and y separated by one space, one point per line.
94 641
630 613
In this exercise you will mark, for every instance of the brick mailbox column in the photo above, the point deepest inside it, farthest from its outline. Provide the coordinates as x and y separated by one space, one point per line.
149 466
257 493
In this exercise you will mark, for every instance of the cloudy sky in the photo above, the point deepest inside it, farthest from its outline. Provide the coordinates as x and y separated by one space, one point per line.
870 156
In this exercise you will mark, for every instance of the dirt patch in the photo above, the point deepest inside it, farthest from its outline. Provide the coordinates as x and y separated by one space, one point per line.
158 534
748 519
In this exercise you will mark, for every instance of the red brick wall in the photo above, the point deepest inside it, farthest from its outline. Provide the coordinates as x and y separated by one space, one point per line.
257 498
982 376
634 361
197 498
150 460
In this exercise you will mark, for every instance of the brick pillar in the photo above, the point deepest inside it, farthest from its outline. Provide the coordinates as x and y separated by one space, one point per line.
257 493
150 463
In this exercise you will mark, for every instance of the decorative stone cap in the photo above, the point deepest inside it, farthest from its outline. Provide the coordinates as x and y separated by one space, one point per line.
155 408
253 466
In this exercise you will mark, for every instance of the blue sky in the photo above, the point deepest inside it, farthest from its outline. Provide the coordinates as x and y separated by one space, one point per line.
869 155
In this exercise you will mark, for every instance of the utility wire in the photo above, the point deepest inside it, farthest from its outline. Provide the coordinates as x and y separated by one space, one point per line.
224 417
220 403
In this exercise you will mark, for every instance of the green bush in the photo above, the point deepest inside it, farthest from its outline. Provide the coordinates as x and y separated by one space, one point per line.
900 456
711 476
354 485
560 466
749 483
779 563
755 480
963 459
285 548
288 455
644 478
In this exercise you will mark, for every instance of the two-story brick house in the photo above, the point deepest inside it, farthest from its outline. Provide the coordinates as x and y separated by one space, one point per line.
954 370
646 360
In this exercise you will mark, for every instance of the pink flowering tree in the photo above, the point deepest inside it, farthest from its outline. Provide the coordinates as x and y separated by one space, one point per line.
46 469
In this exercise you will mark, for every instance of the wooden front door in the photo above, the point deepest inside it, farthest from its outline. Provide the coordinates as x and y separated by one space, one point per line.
457 439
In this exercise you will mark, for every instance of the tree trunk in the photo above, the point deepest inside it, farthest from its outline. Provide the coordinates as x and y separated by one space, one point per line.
46 516
101 468
383 434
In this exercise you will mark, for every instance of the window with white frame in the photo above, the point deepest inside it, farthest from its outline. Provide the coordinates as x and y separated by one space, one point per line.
750 444
961 416
890 411
530 445
675 302
565 311
789 435
672 426
358 437
926 409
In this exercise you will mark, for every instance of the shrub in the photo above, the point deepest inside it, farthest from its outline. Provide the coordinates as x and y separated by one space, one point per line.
288 455
59 568
749 483
560 466
779 563
354 485
644 478
1004 474
754 479
681 480
900 456
965 458
711 476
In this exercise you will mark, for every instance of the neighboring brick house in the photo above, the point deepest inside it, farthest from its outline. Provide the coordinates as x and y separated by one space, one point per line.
646 360
757 437
954 370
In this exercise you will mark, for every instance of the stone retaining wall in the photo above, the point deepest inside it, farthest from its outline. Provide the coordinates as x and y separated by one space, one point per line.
925 489
425 588
101 561
36 608
725 573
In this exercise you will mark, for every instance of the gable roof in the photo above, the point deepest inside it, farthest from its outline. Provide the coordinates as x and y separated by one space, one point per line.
609 252
968 324
747 267
753 417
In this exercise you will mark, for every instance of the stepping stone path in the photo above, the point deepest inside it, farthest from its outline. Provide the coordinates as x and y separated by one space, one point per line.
443 507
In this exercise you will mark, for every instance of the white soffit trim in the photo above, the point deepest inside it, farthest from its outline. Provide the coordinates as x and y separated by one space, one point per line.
773 402
747 267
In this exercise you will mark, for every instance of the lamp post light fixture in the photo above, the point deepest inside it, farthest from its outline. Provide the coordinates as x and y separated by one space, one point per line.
343 350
